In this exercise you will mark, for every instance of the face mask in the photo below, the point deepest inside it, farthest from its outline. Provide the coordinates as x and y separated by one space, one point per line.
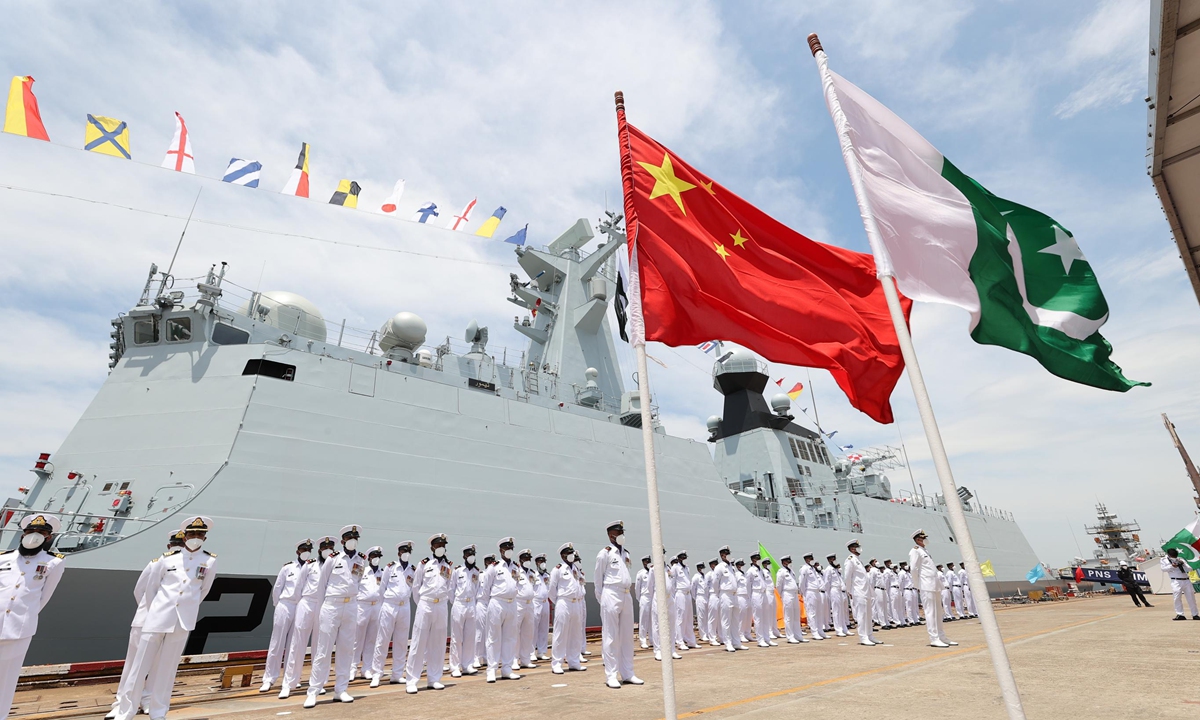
326 553
405 556
470 559
350 545
304 556
439 552
374 562
506 554
620 539
32 541
541 566
570 557
193 544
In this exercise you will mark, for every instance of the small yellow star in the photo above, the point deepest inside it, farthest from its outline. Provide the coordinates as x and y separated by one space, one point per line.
666 183
738 240
721 251
708 186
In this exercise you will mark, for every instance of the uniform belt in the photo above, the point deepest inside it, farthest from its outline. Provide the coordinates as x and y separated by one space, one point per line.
528 601
435 601
345 600
507 600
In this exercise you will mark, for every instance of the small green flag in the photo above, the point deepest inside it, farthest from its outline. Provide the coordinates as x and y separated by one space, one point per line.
762 550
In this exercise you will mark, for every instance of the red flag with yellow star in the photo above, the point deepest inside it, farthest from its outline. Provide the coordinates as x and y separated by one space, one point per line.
709 265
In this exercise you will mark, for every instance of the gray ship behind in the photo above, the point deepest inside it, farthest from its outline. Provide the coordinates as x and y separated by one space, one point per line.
245 407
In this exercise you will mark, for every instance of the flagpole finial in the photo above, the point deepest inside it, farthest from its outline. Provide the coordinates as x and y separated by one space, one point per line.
814 43
619 98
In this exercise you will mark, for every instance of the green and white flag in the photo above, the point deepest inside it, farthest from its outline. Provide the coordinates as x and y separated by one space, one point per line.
1019 273
1187 542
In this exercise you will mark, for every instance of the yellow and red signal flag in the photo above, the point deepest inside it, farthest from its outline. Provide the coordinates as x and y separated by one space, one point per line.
711 265
22 116
795 391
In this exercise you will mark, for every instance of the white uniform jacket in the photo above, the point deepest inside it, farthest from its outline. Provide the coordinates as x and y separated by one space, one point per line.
431 580
856 579
28 583
464 585
612 571
341 575
177 583
287 583
786 582
925 574
395 586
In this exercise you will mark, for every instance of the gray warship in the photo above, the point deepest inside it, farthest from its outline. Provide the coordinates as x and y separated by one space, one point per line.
246 407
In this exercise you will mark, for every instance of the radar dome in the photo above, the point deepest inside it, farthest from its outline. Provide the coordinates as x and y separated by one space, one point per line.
781 403
742 360
289 312
714 423
404 332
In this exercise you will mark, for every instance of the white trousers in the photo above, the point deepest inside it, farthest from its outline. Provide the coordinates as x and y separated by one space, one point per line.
12 657
481 628
957 593
645 612
745 617
714 617
946 599
685 622
462 635
541 631
761 627
656 632
863 615
394 621
428 645
702 621
281 635
502 635
772 613
366 629
969 599
568 628
879 606
932 601
838 612
307 611
161 652
335 632
616 618
896 602
1183 589
135 634
730 622
791 615
912 600
526 623
814 607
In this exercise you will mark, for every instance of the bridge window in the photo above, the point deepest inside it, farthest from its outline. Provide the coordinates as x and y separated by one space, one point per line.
145 332
179 329
228 335
270 368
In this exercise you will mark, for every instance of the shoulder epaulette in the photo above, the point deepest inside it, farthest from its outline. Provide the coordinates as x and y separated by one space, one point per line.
172 551
209 554
608 547
558 565
60 556
391 563
5 552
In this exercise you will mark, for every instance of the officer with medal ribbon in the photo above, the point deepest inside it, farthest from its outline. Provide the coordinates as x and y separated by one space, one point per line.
859 584
526 614
611 582
931 583
788 586
641 588
431 590
541 606
367 619
500 584
312 595
28 577
176 585
565 589
285 596
395 588
464 594
340 577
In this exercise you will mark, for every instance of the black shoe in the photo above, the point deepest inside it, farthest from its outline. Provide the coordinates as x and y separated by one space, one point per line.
1149 605
1196 617
1179 617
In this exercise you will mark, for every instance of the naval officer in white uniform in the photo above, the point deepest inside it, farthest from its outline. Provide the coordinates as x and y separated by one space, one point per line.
499 585
812 587
725 580
312 594
1181 584
789 592
859 585
930 582
177 584
285 596
431 590
611 582
395 588
464 595
28 577
340 578
641 588
366 623
566 590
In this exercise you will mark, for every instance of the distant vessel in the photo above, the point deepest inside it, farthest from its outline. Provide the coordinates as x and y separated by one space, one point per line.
246 407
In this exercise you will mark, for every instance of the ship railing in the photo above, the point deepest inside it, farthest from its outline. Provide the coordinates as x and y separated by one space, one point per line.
786 513
84 539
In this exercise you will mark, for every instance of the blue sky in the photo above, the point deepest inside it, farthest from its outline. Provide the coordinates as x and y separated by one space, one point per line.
1042 103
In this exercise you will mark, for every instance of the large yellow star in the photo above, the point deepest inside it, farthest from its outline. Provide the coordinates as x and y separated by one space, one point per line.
738 240
666 183
721 251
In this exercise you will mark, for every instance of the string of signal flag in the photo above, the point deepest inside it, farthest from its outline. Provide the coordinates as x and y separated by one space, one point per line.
110 136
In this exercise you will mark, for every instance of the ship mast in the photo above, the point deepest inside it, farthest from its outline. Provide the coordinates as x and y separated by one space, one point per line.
1187 460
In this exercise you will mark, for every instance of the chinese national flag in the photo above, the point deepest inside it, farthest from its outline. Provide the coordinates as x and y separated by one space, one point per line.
711 265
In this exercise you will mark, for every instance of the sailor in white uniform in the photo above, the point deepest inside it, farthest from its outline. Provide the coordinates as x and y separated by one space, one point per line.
566 590
770 600
745 617
956 591
757 588
726 581
28 576
685 619
835 593
611 581
858 584
541 606
700 598
526 614
968 597
642 588
335 630
912 613
656 632
395 590
177 583
464 594
878 596
812 588
789 592
430 591
947 597
894 597
1181 584
930 582
481 616
366 625
174 540
285 596
500 584
712 587
308 609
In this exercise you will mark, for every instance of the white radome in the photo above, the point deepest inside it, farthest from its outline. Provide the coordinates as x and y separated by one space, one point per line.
404 330
290 313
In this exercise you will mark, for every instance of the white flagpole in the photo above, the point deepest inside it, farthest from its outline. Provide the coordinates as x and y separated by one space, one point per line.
958 521
637 333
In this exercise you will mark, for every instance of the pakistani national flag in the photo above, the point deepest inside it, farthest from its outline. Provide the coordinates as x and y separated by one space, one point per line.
1020 274
1187 542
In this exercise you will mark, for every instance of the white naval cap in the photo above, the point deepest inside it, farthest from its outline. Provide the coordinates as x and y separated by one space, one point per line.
351 530
524 552
739 561
919 533
615 524
564 547
326 539
374 549
785 558
469 549
41 521
807 555
540 556
853 543
506 541
437 536
197 523
305 541
723 549
405 544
